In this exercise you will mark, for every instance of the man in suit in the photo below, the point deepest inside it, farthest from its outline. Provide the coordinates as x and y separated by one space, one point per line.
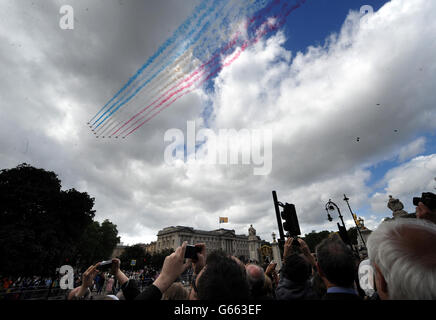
337 268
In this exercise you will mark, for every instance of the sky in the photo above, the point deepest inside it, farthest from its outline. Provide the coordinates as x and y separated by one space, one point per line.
349 101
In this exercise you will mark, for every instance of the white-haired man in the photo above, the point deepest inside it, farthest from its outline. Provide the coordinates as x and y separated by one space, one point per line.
403 254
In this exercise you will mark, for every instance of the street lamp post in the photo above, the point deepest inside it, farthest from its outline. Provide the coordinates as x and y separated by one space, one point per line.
352 215
331 206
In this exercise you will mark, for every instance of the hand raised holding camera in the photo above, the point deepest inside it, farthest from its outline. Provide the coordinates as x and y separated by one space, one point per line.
172 268
287 248
271 267
121 277
200 262
89 275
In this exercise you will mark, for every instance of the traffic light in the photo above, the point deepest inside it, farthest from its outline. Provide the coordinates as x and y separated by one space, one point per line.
290 224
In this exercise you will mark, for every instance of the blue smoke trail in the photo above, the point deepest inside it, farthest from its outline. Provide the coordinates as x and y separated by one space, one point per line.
202 50
172 58
180 30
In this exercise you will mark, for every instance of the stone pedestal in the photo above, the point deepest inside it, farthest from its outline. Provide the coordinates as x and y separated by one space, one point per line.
276 255
253 244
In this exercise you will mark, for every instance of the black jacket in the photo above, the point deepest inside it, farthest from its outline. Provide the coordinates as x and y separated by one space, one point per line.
131 291
288 290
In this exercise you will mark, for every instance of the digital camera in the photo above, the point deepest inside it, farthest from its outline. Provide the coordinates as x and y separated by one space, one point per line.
427 198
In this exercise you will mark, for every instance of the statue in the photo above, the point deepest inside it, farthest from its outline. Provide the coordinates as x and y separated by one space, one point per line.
251 231
361 224
397 207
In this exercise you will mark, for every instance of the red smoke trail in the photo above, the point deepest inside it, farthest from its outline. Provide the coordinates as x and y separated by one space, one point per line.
243 48
199 70
222 51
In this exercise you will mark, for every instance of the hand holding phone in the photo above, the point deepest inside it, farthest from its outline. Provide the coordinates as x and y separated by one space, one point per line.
191 252
295 242
105 265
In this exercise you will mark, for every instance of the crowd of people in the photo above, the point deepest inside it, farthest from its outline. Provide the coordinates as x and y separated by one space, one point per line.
104 283
401 252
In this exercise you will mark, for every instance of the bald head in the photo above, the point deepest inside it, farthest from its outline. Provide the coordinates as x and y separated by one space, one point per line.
255 277
404 255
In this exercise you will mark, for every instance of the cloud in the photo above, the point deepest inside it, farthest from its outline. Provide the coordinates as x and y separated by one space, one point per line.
412 149
373 81
405 182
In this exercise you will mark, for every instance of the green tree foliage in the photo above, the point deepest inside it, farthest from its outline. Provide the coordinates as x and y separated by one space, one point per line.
157 259
314 238
42 225
97 243
137 253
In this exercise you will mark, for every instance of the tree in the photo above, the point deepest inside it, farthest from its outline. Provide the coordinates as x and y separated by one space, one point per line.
135 252
41 225
157 259
97 243
314 238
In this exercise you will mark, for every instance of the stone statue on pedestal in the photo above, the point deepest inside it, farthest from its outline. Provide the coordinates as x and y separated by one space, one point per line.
251 231
397 207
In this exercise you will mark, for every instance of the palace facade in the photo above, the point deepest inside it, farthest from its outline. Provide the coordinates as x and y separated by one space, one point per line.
224 239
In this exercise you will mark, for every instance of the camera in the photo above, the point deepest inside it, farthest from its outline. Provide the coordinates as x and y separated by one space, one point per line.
295 242
191 252
105 265
427 198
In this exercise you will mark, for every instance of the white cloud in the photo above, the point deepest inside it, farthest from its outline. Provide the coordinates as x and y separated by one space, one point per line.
316 103
412 149
405 182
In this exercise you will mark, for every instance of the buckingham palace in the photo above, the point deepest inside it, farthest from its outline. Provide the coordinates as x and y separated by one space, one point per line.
224 239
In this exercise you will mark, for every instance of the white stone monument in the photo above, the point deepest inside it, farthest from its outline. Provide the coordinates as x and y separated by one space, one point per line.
276 252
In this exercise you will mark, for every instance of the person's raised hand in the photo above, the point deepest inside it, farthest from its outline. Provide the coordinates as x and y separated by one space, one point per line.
201 258
287 250
116 271
115 266
306 251
89 275
271 267
172 268
304 247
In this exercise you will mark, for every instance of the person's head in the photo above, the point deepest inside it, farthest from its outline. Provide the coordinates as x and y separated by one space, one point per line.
404 258
426 206
336 264
175 292
221 279
255 278
296 268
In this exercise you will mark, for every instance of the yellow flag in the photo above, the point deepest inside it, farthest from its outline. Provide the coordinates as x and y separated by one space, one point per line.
224 219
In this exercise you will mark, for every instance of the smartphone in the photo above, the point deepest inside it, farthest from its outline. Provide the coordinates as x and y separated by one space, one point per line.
191 252
295 242
105 265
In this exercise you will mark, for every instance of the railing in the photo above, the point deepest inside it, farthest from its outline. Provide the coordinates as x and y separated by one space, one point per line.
33 293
